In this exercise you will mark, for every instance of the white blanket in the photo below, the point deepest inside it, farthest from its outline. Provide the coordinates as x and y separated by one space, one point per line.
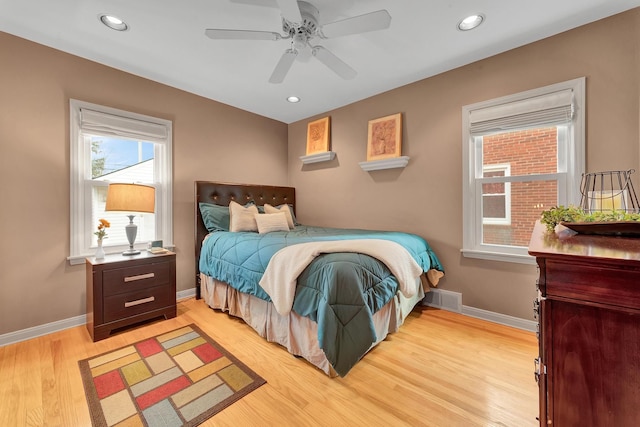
281 274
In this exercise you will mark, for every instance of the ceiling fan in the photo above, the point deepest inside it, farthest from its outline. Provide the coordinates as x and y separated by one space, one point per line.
300 24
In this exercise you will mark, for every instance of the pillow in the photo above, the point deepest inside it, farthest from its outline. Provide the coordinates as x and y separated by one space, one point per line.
271 222
293 215
242 219
282 208
214 217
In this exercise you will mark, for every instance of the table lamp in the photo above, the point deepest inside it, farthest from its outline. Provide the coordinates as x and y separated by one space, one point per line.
131 198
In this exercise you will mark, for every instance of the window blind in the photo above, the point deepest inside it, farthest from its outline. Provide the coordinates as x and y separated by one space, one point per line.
99 123
553 108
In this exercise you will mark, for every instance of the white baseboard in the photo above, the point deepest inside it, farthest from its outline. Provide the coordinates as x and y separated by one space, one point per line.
187 293
452 301
38 331
60 325
439 298
503 319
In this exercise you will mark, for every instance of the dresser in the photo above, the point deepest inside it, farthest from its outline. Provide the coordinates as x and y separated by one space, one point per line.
588 309
125 290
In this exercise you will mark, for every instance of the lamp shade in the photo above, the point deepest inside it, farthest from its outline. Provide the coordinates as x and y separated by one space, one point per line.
131 198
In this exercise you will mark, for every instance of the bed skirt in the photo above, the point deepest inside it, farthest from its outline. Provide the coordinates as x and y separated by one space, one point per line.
298 334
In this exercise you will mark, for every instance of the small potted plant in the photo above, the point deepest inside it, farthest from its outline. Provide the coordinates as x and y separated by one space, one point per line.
572 216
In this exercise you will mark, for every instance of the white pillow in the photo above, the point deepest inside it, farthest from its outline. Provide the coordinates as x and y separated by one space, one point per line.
283 208
271 222
242 219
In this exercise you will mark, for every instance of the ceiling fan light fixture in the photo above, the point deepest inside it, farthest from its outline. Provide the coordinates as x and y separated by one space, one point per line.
113 22
471 22
293 99
299 41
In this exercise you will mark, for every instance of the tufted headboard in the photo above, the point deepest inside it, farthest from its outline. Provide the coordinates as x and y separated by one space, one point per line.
222 193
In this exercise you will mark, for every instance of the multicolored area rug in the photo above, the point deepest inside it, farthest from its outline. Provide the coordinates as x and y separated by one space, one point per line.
180 378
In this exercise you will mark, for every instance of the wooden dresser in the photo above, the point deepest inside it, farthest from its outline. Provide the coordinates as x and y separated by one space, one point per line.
124 290
588 370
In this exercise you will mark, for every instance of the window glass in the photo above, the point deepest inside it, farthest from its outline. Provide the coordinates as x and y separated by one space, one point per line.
526 151
529 199
120 160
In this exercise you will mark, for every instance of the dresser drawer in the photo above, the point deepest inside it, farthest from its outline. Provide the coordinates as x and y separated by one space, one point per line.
593 283
127 279
121 306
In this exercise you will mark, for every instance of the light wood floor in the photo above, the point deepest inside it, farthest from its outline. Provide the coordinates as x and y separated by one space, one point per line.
440 369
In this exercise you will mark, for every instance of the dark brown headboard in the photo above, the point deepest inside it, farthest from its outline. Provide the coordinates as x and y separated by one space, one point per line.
222 193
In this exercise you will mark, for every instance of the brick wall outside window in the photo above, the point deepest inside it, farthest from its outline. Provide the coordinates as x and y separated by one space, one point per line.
527 152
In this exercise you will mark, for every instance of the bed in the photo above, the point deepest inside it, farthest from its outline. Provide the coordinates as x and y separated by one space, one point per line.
347 289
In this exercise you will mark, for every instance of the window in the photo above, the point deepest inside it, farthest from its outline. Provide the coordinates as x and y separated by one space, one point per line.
496 196
522 154
109 145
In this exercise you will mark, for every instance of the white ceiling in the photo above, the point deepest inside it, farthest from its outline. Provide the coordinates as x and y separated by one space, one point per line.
166 43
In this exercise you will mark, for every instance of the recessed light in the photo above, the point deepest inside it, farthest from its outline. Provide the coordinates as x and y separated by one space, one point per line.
293 99
470 22
113 22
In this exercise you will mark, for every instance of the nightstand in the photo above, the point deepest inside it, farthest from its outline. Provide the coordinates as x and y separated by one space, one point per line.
124 290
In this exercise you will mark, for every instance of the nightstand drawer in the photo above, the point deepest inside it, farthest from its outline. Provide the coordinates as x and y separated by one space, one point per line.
128 304
125 280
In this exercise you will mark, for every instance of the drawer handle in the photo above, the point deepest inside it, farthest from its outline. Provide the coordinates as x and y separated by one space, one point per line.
139 277
139 301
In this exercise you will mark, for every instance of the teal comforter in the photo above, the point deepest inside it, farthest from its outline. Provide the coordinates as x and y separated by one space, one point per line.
339 291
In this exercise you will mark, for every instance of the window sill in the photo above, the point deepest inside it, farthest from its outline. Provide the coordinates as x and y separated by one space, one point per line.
77 260
498 256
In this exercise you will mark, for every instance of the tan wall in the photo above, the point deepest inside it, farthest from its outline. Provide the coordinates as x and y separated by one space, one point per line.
211 141
426 197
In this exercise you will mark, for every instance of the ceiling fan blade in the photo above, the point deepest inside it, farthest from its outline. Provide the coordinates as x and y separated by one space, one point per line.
373 21
283 66
334 63
290 10
222 34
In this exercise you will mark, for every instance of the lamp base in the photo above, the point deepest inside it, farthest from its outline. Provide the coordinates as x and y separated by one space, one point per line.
131 230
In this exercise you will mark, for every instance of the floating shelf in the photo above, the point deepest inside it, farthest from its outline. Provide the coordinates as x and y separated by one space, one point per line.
395 162
318 157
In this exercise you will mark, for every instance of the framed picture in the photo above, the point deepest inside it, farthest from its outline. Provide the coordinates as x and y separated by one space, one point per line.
385 137
318 135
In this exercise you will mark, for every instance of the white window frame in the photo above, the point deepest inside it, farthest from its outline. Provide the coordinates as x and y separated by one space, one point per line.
571 158
507 194
105 121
